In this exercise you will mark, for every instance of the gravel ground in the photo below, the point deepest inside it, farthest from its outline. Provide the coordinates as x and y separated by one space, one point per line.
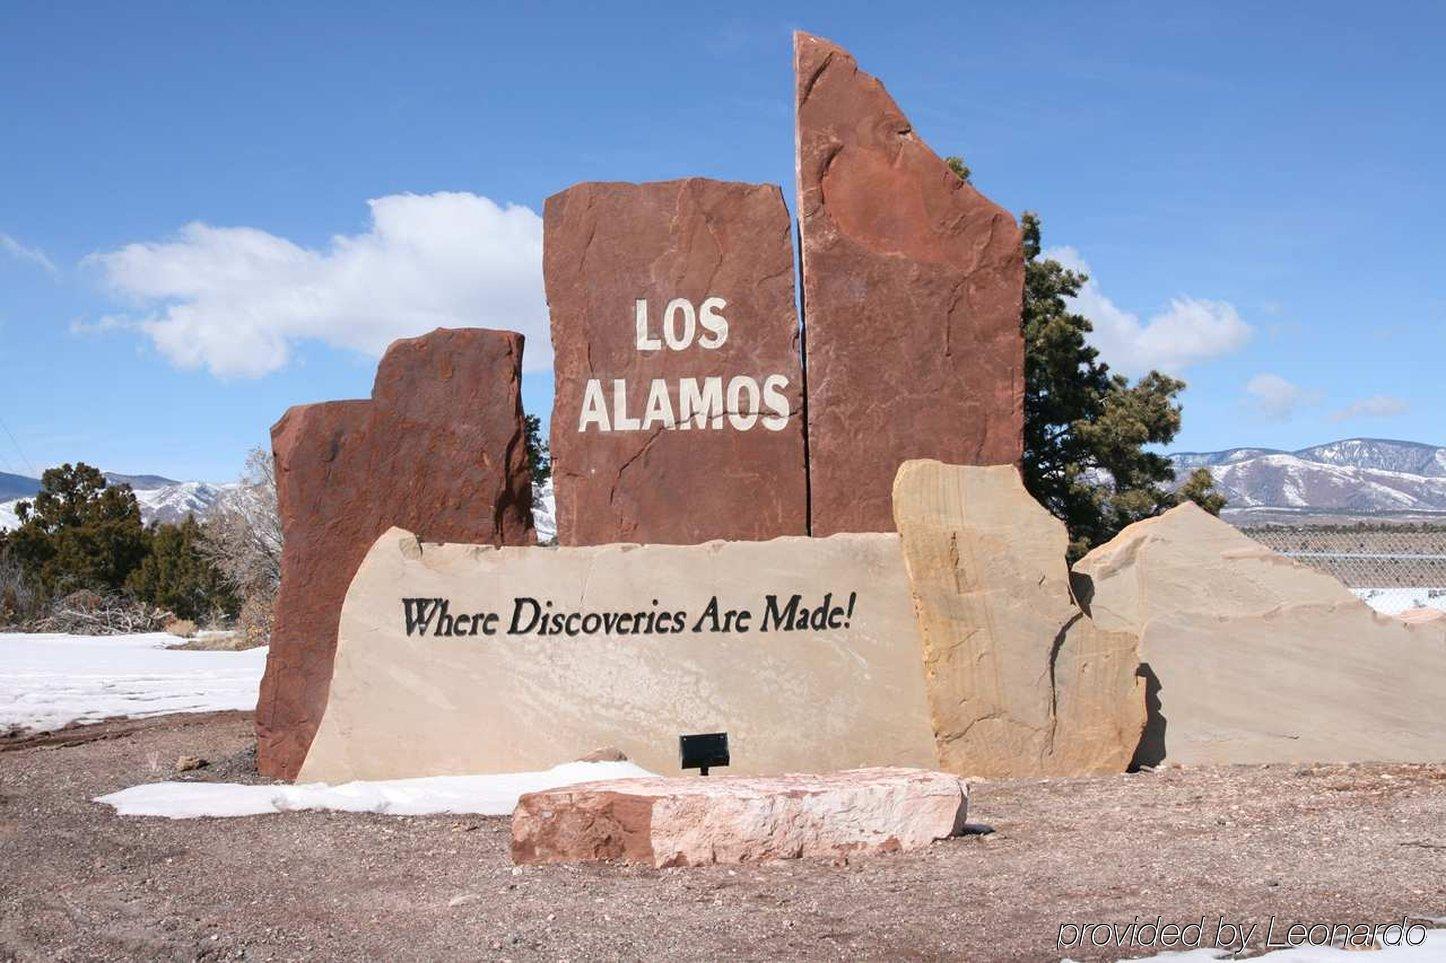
1302 844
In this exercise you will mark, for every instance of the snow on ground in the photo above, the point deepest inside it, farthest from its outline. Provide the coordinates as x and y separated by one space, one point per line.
494 795
50 680
1394 601
1430 949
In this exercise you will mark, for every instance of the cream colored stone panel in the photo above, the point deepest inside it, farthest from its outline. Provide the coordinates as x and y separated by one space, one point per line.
809 700
1260 659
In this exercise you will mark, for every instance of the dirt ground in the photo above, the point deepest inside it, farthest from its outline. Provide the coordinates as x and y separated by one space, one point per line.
1302 844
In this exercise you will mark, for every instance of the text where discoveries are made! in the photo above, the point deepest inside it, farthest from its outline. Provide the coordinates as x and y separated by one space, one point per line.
529 616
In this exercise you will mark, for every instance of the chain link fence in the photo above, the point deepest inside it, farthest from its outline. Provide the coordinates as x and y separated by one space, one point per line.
1392 567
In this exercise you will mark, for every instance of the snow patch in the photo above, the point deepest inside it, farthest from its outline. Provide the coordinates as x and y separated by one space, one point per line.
1394 601
544 512
487 795
49 680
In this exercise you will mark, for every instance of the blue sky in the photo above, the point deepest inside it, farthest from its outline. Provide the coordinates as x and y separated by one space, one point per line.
1254 187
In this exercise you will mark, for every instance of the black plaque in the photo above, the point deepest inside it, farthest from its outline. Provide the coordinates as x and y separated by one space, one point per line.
703 750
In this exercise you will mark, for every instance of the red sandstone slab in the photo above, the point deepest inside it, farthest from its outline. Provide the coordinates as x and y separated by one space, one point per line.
734 819
913 284
438 450
678 407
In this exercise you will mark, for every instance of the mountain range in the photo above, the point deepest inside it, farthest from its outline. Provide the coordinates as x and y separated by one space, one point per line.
167 500
17 486
1342 480
161 499
1346 480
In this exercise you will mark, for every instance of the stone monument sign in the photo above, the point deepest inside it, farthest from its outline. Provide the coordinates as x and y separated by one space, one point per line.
930 621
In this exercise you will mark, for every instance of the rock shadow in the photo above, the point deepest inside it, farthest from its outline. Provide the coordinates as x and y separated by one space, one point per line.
1151 750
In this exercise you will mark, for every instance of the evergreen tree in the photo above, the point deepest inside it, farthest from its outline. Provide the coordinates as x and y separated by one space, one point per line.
1200 489
537 451
1086 429
178 576
78 532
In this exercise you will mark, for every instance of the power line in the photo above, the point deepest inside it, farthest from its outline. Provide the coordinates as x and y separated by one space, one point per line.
30 464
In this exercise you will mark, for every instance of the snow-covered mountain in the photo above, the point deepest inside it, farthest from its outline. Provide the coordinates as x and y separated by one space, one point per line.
166 500
1189 460
174 501
1357 476
1408 457
160 499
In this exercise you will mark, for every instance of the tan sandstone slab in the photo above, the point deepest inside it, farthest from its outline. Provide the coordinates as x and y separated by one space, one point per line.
846 690
678 414
1255 658
913 286
1020 682
734 819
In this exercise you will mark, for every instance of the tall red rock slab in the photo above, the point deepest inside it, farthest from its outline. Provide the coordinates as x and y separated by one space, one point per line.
913 284
678 408
439 449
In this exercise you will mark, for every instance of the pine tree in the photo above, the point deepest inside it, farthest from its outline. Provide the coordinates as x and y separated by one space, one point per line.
178 576
78 533
537 451
1200 489
1086 429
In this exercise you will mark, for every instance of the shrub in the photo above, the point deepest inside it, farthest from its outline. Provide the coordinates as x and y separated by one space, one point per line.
242 540
19 600
178 576
254 624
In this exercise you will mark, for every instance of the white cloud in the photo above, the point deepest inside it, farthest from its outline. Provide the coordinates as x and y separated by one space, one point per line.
22 252
236 300
1376 406
1274 398
1189 331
